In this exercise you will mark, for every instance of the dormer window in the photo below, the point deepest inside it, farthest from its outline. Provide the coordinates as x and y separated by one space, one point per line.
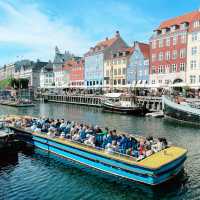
184 25
163 30
174 27
158 32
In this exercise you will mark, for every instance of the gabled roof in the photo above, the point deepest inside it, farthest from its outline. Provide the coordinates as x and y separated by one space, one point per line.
189 17
100 46
107 42
145 49
74 62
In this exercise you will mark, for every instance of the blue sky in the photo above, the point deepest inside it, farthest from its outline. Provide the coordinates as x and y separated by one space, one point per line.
30 29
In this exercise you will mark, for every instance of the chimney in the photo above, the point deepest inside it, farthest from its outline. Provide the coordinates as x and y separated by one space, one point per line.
117 34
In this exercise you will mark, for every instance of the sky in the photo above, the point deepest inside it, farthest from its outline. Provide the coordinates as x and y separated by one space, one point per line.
30 29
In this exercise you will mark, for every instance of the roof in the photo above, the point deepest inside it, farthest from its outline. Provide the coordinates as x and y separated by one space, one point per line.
107 42
189 17
73 63
145 49
104 44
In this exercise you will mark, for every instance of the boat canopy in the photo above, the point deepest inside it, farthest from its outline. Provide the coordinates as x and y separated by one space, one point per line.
113 95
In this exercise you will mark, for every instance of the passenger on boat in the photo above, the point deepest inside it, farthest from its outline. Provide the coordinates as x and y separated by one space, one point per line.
95 137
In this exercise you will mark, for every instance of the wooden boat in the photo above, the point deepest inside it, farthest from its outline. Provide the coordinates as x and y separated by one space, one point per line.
180 110
119 103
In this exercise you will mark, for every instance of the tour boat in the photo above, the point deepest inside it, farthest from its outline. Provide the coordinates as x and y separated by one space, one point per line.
152 170
119 103
181 110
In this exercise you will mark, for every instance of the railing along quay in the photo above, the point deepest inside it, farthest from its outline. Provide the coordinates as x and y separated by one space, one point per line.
88 100
151 103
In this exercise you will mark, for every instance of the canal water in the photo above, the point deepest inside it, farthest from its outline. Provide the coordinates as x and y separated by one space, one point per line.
37 175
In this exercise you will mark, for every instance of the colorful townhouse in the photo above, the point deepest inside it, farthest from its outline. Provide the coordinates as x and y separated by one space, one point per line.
168 51
30 70
73 70
59 73
47 76
193 52
115 68
95 58
138 67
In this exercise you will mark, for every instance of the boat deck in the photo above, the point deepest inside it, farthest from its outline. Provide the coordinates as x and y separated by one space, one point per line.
155 161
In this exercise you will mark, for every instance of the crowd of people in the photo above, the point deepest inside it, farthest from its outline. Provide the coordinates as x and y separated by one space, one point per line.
110 140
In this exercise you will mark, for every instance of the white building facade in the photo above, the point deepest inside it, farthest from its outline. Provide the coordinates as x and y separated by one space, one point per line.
193 56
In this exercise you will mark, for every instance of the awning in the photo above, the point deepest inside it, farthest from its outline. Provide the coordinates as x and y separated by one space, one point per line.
180 84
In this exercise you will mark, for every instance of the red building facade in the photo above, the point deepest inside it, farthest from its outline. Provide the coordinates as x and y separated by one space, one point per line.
168 51
75 67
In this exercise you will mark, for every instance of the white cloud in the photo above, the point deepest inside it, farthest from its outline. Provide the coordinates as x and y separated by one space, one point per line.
27 26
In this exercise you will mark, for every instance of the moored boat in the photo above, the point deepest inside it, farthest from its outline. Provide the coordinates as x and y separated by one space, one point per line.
152 170
17 103
119 103
181 110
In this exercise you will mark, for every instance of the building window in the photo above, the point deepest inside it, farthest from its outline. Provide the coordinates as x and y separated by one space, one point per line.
153 81
115 82
153 44
153 57
183 38
119 71
160 56
153 70
124 71
107 82
160 43
107 73
123 82
194 36
173 68
194 50
182 53
90 82
119 81
174 54
167 55
182 67
193 64
174 40
192 79
161 69
160 81
168 41
115 71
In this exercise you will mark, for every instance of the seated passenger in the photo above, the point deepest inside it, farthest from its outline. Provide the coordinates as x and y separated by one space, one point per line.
51 133
90 140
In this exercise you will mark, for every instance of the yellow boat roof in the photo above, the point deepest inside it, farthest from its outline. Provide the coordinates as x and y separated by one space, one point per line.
155 161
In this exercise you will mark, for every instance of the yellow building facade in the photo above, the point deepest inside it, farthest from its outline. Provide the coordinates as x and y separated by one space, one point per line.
115 69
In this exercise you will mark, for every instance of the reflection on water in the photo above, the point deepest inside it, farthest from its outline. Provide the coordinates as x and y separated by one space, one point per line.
39 175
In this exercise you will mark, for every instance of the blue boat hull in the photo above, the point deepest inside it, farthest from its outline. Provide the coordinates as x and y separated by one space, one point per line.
113 167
